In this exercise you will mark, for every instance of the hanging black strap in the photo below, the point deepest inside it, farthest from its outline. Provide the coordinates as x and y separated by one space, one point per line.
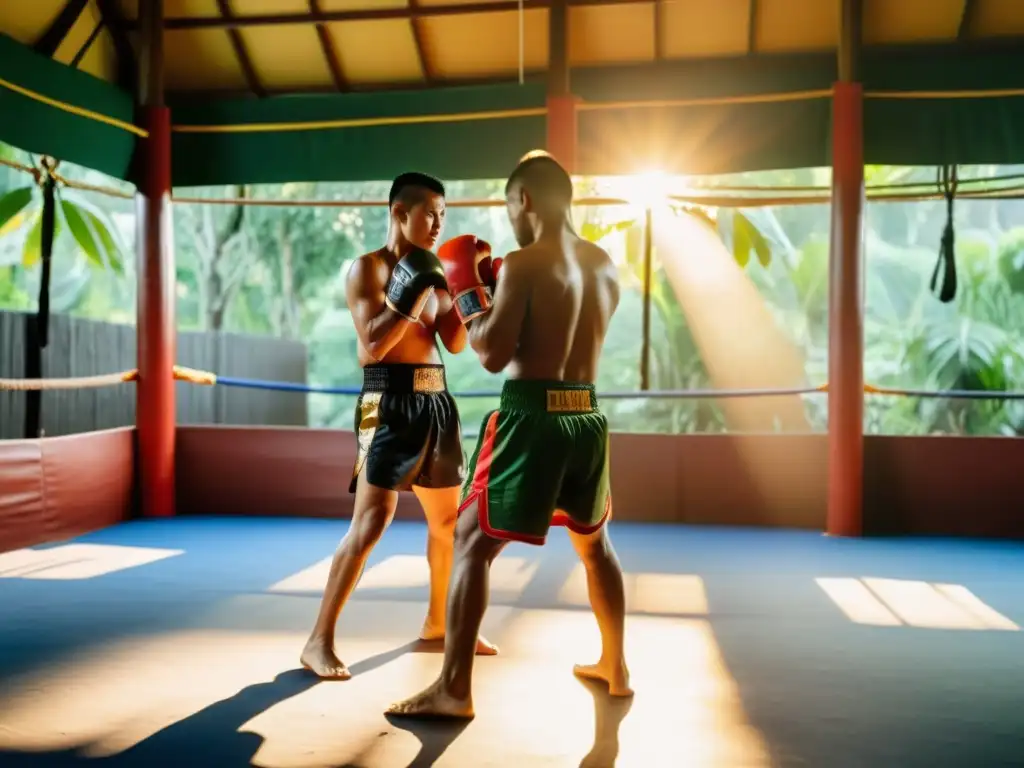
947 180
37 327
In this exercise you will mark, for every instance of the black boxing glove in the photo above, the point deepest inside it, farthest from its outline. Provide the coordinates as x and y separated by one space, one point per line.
412 281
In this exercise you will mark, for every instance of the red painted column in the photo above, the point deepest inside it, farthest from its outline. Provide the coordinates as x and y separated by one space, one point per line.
156 325
845 316
562 129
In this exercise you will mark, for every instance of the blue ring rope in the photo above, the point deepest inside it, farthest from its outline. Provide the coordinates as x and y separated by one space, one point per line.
658 394
286 386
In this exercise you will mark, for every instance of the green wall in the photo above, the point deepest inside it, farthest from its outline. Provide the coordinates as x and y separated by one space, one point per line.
699 139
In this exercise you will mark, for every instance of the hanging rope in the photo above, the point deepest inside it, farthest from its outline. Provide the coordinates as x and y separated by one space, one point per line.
947 252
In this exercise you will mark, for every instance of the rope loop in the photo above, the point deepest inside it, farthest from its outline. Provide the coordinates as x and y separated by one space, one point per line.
948 181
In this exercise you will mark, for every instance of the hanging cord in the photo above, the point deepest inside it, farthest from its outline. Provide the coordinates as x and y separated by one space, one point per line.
522 43
947 181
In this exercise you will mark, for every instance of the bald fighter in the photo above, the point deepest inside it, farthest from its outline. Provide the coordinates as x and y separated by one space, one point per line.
542 457
407 425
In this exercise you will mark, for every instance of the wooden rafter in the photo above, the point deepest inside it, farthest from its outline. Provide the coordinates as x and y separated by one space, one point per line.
967 15
419 12
50 40
80 54
659 34
558 49
330 52
241 53
752 27
124 53
417 36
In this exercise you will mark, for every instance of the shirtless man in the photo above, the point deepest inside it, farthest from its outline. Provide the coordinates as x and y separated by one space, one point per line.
407 425
542 458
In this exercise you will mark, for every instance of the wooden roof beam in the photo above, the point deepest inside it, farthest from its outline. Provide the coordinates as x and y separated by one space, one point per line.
752 27
80 54
418 12
659 36
417 36
967 15
50 40
330 52
124 53
238 44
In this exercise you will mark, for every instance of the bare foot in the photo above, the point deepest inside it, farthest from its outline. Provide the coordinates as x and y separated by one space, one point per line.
615 675
484 647
320 659
433 703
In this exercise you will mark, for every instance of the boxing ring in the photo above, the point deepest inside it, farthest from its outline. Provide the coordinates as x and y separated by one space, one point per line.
165 642
157 582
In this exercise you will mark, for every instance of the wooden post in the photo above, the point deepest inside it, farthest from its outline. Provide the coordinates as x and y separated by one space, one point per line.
155 325
561 104
846 324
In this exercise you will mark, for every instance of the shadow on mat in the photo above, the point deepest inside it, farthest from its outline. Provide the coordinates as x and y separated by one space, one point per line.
435 736
609 712
210 737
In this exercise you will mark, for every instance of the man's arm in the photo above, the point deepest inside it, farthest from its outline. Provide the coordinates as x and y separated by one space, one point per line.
378 326
494 335
449 327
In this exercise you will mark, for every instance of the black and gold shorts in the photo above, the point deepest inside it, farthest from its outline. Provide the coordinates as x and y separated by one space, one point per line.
408 429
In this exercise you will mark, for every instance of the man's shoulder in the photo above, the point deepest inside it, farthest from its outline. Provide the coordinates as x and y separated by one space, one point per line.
371 267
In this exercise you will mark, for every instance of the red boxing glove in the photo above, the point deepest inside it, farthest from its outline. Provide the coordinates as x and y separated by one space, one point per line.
496 268
467 268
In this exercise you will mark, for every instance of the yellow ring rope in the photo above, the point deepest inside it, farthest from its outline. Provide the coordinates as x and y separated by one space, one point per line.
315 125
181 373
587 106
73 110
362 122
77 382
705 199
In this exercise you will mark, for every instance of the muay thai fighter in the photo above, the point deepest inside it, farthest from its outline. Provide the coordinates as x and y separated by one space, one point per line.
542 458
407 424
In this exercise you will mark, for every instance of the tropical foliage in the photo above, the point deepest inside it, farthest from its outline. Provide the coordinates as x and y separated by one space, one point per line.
279 271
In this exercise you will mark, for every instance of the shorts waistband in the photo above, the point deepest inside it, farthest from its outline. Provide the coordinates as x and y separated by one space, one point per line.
403 378
540 396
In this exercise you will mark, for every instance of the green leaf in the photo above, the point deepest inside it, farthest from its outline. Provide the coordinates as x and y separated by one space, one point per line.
760 244
93 236
741 240
32 251
595 232
12 204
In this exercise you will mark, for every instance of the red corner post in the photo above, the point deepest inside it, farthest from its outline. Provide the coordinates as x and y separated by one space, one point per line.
846 327
562 136
155 326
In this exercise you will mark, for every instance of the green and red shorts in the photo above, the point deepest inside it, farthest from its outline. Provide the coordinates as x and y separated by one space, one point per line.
541 460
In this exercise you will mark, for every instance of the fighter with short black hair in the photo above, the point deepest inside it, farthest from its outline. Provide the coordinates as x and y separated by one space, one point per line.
407 424
542 458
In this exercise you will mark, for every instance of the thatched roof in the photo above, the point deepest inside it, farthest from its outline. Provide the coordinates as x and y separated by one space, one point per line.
285 46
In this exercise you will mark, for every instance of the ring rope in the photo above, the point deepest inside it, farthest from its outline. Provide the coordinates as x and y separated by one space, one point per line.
74 110
589 106
762 98
207 378
705 195
75 382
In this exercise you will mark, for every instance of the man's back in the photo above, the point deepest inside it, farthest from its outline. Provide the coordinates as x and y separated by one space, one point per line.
573 294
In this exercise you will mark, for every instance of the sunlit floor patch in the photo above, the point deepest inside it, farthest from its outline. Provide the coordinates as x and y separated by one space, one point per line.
70 562
896 602
150 696
509 575
677 594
